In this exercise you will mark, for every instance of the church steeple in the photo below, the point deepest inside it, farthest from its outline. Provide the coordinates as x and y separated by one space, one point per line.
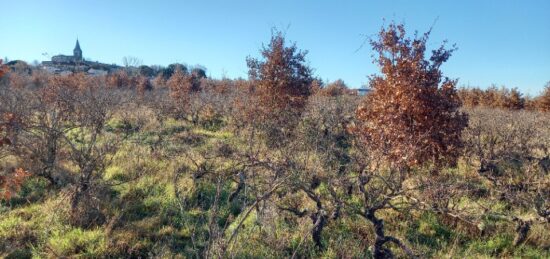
77 51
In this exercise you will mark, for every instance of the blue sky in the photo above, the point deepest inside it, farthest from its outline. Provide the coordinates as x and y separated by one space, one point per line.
500 42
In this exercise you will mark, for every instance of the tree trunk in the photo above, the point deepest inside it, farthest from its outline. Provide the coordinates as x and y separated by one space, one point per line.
379 250
522 229
80 190
319 221
49 161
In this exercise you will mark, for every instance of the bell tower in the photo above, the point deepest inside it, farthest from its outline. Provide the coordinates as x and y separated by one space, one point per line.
77 52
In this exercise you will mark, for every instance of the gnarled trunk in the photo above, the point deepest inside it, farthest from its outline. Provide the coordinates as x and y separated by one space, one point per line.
522 229
319 221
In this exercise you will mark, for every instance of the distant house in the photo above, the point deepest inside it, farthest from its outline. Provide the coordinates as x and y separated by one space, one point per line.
97 72
62 64
363 91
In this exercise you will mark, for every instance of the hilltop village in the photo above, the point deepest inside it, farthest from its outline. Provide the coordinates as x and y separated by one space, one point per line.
64 64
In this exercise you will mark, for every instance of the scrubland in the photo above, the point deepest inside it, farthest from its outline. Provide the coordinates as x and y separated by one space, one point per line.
278 165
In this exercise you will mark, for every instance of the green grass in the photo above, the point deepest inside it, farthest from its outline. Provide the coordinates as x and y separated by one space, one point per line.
78 242
429 232
213 134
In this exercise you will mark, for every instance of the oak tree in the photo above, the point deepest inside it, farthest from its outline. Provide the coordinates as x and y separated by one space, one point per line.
412 115
410 119
282 78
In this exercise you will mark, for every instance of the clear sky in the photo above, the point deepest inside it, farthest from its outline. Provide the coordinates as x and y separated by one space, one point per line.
500 42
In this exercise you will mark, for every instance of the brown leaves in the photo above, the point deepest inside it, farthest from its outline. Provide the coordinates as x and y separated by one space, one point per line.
409 118
542 103
281 84
119 79
492 97
11 183
143 84
8 120
335 88
283 78
3 69
181 84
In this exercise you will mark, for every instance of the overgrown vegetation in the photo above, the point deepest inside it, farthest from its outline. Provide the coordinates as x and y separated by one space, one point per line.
505 98
169 163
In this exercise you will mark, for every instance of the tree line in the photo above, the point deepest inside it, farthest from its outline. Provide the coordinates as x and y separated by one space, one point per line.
505 98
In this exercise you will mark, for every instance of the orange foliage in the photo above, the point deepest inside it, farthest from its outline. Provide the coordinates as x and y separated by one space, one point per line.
143 84
411 116
181 85
11 183
119 79
8 120
543 101
493 97
316 86
18 80
3 69
335 88
283 79
159 81
62 92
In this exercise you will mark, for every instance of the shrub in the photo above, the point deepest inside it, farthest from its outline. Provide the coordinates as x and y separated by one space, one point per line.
282 79
335 88
3 69
493 97
543 101
411 116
